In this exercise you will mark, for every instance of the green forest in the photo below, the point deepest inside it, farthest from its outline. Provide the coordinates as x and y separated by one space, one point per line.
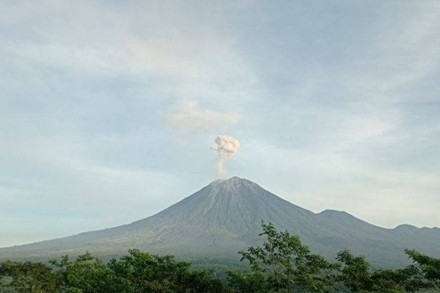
282 264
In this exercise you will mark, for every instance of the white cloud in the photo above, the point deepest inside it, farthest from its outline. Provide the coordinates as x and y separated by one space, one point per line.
189 118
177 58
319 116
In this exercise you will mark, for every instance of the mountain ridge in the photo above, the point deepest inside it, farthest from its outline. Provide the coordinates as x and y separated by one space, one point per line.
225 217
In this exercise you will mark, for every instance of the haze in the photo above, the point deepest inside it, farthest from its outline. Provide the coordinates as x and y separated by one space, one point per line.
108 108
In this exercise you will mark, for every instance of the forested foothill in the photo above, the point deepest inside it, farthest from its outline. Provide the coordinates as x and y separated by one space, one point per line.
282 264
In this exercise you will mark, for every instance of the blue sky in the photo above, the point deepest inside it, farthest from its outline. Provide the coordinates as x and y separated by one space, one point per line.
108 108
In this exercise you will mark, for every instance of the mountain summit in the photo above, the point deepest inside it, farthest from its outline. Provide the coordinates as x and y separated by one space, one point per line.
225 217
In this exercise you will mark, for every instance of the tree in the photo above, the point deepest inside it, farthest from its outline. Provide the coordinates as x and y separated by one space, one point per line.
28 277
354 271
357 275
281 264
250 282
88 274
138 272
286 264
428 266
162 274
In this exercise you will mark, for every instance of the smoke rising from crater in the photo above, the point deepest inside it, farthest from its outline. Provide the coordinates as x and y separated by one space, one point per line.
225 146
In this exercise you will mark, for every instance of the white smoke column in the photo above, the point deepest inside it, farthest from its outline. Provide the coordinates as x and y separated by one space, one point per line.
225 146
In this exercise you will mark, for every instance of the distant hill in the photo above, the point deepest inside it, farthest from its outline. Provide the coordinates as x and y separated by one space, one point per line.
225 217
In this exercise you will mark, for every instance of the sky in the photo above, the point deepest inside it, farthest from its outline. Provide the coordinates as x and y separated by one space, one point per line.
108 109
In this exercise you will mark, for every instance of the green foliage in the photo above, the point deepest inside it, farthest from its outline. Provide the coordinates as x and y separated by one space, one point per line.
88 274
286 264
429 267
136 273
28 277
408 279
150 273
253 282
281 264
357 275
354 271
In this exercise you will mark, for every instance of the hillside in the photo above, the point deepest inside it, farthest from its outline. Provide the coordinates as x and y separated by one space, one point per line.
225 216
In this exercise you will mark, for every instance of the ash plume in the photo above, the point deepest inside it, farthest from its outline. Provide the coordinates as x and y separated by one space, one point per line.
225 146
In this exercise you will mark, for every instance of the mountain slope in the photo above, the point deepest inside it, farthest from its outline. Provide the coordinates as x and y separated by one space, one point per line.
225 217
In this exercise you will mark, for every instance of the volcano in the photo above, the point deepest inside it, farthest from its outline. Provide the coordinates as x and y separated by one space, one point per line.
225 217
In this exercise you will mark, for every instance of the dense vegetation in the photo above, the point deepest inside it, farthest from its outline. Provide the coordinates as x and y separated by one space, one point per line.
282 264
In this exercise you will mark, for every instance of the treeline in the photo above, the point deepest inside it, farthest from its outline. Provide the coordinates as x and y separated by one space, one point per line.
281 264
